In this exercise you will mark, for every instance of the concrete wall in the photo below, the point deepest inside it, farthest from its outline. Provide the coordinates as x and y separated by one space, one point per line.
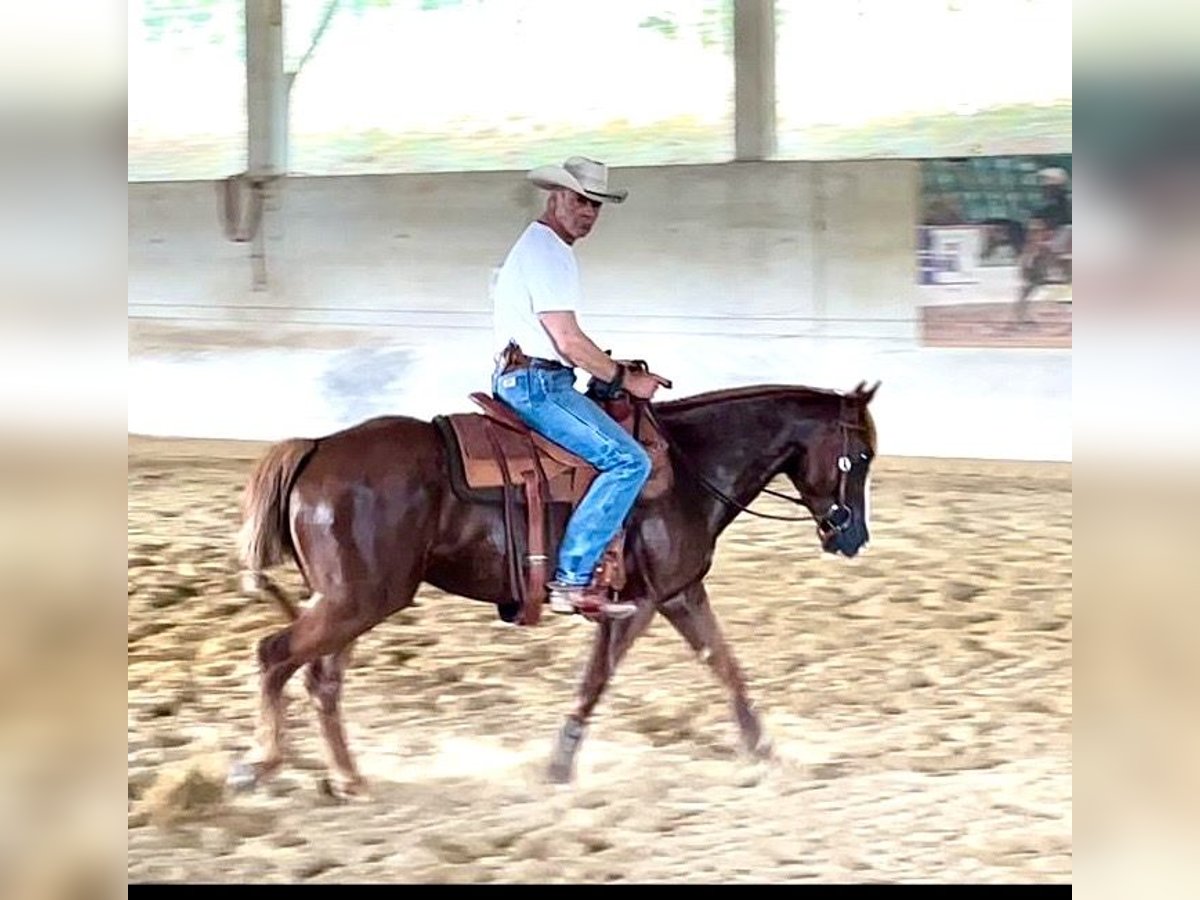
718 275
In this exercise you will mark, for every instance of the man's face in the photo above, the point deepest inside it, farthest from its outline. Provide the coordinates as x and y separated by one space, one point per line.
575 213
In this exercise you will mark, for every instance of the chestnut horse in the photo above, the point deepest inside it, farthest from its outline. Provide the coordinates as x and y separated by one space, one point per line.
368 514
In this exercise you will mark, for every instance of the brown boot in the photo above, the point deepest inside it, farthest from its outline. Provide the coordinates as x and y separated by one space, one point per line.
591 602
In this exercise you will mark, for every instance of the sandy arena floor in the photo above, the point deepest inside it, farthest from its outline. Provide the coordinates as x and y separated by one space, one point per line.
919 700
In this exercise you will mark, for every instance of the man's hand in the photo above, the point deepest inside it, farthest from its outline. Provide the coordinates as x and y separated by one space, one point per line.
577 347
643 384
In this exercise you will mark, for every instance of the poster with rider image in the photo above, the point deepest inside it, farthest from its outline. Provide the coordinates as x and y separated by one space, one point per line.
994 251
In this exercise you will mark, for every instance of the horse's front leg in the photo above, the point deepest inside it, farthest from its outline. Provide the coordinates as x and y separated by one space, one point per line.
692 616
613 639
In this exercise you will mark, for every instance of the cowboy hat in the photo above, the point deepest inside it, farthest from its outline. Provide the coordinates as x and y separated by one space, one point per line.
581 175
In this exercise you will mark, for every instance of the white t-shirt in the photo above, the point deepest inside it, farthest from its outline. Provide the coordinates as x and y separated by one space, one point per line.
539 274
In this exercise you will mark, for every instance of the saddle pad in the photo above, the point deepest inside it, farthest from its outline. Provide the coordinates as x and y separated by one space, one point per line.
567 482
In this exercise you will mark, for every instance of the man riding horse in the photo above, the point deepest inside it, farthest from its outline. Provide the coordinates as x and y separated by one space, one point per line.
537 294
1045 257
372 512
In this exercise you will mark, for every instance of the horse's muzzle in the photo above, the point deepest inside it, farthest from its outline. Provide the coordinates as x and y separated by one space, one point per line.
836 532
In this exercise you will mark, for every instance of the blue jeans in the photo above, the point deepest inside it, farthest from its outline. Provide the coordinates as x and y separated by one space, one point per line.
546 400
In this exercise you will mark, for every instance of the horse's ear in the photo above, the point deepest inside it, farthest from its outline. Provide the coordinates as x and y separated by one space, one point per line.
868 395
858 387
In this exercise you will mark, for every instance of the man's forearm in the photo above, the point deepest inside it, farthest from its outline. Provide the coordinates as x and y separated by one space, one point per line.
576 347
583 352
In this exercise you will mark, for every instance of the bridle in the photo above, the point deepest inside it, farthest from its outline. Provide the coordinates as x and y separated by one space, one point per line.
836 519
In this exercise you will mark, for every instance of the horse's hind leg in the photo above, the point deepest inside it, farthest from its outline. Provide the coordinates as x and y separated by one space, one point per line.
276 665
693 618
323 629
613 639
323 678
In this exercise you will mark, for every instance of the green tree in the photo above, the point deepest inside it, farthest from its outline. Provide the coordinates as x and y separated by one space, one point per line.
358 7
713 27
192 22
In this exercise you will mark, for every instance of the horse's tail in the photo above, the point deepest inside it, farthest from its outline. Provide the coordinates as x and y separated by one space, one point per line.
265 538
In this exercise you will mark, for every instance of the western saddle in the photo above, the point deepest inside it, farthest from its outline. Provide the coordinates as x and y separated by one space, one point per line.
494 452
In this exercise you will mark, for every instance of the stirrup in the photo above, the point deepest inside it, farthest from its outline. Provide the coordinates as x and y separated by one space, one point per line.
588 602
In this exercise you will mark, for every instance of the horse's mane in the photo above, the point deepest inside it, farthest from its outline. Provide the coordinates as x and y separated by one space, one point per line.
753 392
764 391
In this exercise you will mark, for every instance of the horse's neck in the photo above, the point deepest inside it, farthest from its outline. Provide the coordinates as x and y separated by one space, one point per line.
738 447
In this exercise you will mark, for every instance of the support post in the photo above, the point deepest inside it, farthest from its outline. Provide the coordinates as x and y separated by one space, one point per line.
754 79
266 111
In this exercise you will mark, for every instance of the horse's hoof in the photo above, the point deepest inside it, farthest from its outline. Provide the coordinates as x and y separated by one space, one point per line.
343 789
559 774
242 777
766 754
763 750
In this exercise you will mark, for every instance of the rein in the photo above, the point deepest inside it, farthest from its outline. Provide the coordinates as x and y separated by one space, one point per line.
643 408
